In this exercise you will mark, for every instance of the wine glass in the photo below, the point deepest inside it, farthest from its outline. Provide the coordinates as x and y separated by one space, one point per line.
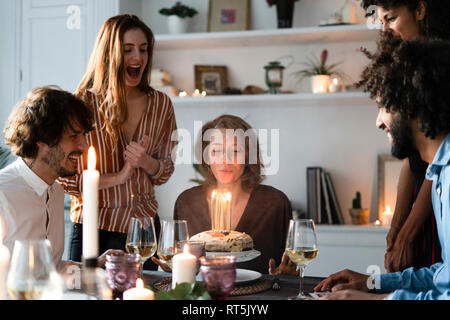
301 247
172 232
32 272
141 239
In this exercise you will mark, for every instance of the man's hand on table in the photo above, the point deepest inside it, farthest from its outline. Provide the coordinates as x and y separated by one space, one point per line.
164 266
286 266
342 280
351 294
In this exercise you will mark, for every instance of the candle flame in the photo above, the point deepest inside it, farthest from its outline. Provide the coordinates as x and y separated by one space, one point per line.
336 81
186 248
91 159
228 196
213 195
388 210
204 93
139 284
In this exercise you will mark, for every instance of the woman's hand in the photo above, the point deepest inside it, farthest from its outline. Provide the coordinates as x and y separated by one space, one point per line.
136 153
400 256
125 174
286 266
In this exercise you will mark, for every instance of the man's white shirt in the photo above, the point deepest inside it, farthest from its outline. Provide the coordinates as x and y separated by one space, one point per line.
30 209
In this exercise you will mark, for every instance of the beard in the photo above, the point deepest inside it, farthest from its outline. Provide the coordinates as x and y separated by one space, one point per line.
402 138
53 158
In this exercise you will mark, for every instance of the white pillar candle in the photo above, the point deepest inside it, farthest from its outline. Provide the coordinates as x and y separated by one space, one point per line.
386 219
139 293
184 267
91 179
4 263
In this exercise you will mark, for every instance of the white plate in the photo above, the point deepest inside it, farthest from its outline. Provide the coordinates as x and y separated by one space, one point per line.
242 276
240 256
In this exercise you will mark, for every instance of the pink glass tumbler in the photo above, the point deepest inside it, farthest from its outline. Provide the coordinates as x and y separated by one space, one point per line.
219 275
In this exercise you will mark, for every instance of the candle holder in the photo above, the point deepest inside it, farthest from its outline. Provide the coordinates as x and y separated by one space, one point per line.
122 271
219 275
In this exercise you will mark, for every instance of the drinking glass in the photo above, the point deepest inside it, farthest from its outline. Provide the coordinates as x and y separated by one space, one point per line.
141 239
219 275
122 271
301 247
196 248
32 272
172 232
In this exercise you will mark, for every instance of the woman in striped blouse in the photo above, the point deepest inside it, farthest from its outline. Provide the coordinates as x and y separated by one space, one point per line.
132 135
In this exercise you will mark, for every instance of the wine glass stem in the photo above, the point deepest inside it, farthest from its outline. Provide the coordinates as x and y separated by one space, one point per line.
141 270
300 289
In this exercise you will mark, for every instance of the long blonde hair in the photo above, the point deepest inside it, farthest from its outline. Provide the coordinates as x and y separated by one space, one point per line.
105 74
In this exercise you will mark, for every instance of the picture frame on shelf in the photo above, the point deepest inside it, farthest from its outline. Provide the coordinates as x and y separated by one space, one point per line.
228 15
389 169
211 79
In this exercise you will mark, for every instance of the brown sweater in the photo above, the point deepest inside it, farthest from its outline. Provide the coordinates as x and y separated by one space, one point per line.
265 218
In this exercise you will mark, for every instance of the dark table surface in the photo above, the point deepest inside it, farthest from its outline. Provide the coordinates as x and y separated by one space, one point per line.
289 286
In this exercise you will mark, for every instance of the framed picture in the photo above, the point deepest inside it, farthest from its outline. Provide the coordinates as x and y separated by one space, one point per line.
211 79
389 169
228 15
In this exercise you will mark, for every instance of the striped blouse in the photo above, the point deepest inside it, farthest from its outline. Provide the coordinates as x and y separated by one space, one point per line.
136 197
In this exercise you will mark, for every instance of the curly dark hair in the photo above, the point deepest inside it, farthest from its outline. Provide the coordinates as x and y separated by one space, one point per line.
43 115
411 78
436 23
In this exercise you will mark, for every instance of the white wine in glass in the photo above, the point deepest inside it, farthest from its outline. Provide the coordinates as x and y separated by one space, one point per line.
31 271
301 248
141 239
172 232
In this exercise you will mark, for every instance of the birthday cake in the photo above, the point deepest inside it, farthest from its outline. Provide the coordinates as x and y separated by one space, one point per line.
232 241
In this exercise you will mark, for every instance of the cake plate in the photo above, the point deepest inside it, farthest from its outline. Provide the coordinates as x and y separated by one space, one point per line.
242 256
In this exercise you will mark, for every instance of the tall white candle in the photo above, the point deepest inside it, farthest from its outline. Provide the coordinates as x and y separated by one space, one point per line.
386 219
4 263
91 179
184 267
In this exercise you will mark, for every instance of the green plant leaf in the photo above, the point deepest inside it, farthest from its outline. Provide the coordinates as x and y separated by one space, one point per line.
185 291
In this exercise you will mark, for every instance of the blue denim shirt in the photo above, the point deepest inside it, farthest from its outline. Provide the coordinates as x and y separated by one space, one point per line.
429 283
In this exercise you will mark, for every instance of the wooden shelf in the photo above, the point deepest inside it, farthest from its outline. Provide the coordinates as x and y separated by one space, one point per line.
347 98
256 38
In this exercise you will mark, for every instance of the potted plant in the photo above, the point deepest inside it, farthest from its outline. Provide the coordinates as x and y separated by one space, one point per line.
358 214
285 12
319 72
177 17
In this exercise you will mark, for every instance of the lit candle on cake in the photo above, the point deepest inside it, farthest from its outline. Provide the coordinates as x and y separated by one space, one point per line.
221 211
4 262
184 267
139 293
91 179
386 219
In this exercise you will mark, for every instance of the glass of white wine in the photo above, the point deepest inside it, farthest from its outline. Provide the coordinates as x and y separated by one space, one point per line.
301 247
141 239
32 270
172 232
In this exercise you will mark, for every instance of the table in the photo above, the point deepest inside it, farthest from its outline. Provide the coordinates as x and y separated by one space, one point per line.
288 286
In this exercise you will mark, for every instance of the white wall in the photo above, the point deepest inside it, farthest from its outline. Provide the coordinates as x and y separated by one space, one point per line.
307 13
8 60
342 139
